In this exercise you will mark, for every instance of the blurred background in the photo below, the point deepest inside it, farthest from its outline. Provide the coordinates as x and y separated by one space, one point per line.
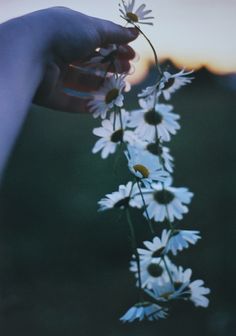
63 266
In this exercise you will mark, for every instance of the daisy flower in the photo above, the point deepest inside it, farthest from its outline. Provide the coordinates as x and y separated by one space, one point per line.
193 291
156 248
181 239
112 133
152 270
183 288
145 166
163 292
121 198
173 288
198 292
156 123
172 82
140 15
161 151
148 91
144 310
166 203
109 96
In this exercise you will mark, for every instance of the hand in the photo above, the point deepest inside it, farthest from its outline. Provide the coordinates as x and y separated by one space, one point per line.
36 51
75 40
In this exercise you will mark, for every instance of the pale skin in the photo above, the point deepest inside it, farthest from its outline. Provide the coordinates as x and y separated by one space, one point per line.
36 51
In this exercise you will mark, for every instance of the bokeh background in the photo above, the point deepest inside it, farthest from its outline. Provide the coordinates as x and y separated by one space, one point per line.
63 266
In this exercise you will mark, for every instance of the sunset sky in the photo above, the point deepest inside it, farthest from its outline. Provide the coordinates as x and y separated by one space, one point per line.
190 32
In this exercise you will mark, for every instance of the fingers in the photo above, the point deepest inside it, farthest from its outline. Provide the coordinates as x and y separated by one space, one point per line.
90 76
78 35
112 33
125 52
80 81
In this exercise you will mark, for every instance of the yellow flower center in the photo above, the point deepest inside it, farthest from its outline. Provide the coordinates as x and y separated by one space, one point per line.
142 170
133 17
111 95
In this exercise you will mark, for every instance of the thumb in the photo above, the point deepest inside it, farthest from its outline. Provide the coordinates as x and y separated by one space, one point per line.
110 33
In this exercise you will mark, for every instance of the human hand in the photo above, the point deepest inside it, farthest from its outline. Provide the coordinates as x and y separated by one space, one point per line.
36 51
75 39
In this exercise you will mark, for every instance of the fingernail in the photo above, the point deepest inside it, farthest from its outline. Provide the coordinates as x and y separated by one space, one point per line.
133 32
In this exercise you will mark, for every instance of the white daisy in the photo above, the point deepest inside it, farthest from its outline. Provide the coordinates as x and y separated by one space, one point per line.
145 166
135 16
148 91
181 276
156 123
171 288
172 82
181 239
161 151
198 292
156 148
112 133
183 288
144 310
166 203
109 96
121 198
193 291
163 292
156 248
152 270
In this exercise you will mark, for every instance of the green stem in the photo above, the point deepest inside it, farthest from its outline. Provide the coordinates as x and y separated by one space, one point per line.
168 271
152 47
120 116
134 247
145 209
114 121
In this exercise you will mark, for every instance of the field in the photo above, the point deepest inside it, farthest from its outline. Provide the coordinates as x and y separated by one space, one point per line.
64 267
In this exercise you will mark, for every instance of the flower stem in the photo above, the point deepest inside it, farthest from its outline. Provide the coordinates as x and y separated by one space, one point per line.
153 49
134 247
168 271
145 209
120 116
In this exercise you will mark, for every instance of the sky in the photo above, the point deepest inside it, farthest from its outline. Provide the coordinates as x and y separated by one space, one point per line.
192 33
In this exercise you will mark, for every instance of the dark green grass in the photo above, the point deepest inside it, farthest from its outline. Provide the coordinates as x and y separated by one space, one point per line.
64 267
